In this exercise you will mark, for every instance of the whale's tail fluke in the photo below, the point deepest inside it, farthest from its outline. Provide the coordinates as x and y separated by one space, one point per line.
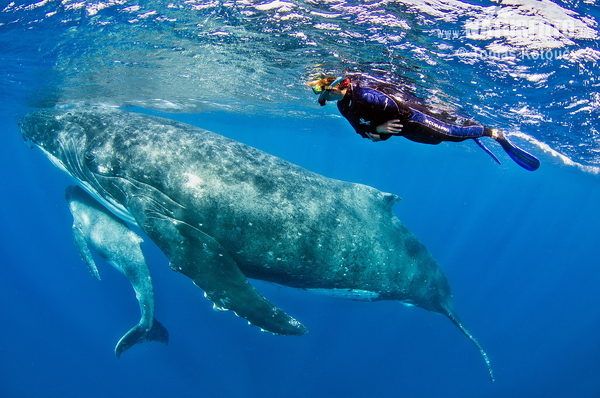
140 334
456 320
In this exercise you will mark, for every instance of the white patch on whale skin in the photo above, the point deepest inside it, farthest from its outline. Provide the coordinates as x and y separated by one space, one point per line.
348 294
193 180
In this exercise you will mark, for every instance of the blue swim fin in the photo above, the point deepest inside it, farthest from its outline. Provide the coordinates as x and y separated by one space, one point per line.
521 157
486 149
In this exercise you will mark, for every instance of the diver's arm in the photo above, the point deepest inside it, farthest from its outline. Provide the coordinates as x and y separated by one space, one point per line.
371 113
374 137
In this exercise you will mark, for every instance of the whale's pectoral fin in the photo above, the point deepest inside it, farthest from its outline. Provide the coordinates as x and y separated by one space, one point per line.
140 334
202 259
207 263
84 250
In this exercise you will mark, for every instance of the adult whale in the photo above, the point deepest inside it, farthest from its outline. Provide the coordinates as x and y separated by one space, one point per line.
222 212
97 228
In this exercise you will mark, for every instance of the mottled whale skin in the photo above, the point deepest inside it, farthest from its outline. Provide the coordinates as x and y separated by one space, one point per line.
96 228
222 212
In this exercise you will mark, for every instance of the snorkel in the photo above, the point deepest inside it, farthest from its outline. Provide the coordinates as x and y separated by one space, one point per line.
322 91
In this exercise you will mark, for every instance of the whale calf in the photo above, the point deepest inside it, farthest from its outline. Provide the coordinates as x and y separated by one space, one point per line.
95 227
223 212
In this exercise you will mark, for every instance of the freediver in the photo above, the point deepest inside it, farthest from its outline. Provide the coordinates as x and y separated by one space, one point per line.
377 110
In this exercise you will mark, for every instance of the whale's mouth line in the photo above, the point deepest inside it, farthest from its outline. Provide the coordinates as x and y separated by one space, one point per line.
116 208
72 166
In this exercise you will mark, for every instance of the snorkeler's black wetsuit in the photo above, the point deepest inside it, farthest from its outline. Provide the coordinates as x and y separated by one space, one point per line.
374 103
366 108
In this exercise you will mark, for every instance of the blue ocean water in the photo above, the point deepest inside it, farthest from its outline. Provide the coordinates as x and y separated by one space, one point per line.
519 248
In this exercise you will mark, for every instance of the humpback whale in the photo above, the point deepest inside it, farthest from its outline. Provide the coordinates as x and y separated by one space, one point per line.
94 226
223 212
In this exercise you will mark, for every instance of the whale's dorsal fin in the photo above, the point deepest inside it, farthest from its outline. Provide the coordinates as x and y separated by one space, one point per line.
391 199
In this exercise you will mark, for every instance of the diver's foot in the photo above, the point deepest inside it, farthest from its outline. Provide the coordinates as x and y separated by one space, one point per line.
520 156
495 134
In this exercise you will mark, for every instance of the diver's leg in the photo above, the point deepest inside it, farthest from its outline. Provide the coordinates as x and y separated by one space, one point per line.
428 126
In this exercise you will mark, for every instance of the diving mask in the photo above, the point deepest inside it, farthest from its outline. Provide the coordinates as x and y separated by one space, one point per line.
322 91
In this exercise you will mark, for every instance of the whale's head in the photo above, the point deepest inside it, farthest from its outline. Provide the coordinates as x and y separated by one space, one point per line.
52 129
80 202
75 196
59 136
66 136
42 128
